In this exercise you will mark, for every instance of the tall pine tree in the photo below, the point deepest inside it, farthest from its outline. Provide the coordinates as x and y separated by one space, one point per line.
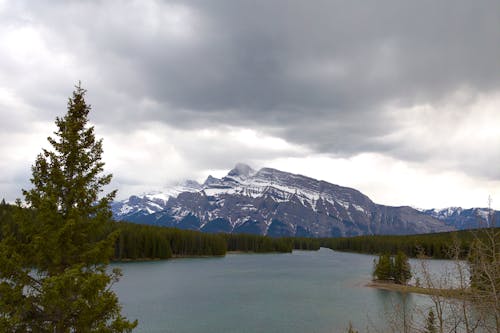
53 258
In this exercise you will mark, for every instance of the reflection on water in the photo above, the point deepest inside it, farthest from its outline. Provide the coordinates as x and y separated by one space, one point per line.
318 291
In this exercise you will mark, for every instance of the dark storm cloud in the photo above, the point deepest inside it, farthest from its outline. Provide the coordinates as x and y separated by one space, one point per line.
265 58
318 73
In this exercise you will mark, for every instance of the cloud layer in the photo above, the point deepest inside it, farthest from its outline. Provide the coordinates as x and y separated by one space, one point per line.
193 87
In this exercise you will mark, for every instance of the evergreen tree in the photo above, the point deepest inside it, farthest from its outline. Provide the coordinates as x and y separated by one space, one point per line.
402 269
54 257
384 268
390 268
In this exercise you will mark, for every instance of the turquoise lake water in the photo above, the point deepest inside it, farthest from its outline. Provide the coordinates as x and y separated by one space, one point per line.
304 291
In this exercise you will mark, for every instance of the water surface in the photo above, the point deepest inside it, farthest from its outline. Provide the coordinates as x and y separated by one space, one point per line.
304 291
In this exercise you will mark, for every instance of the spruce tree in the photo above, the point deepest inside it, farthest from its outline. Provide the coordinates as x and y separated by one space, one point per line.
383 269
402 268
53 258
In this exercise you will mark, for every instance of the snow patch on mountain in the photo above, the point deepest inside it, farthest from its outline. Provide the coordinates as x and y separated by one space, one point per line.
270 201
152 202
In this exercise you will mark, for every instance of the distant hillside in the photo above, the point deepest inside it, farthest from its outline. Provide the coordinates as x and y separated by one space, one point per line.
461 219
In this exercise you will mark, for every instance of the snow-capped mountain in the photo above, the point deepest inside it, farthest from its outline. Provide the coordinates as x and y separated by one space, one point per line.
461 218
138 207
276 203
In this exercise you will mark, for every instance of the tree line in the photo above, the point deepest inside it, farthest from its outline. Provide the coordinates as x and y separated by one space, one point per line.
135 241
436 245
151 242
138 242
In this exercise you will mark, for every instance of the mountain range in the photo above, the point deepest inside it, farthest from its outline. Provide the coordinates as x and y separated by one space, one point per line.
277 203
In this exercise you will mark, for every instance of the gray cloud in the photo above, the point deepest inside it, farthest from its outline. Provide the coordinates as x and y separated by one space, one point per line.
248 58
322 74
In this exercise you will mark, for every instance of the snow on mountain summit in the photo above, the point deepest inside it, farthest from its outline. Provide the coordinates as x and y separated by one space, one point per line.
272 202
172 191
152 202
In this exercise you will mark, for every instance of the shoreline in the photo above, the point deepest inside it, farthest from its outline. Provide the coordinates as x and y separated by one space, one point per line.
125 260
164 259
391 286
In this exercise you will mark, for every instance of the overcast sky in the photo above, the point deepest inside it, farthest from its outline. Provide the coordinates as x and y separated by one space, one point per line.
399 99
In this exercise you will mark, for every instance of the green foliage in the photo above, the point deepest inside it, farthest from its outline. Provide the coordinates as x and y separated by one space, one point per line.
143 242
384 268
308 244
436 245
257 243
392 268
402 269
54 255
138 242
152 242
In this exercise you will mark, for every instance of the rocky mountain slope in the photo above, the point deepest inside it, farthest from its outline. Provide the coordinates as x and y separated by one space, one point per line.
275 203
461 218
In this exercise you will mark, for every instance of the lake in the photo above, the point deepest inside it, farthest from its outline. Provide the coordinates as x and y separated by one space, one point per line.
304 291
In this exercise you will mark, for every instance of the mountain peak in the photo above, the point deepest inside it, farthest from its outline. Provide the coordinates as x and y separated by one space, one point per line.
241 170
191 184
279 203
211 181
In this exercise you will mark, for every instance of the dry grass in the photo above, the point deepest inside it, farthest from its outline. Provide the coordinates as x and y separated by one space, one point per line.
389 285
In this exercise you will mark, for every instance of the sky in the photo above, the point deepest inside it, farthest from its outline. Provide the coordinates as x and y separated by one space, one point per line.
398 99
